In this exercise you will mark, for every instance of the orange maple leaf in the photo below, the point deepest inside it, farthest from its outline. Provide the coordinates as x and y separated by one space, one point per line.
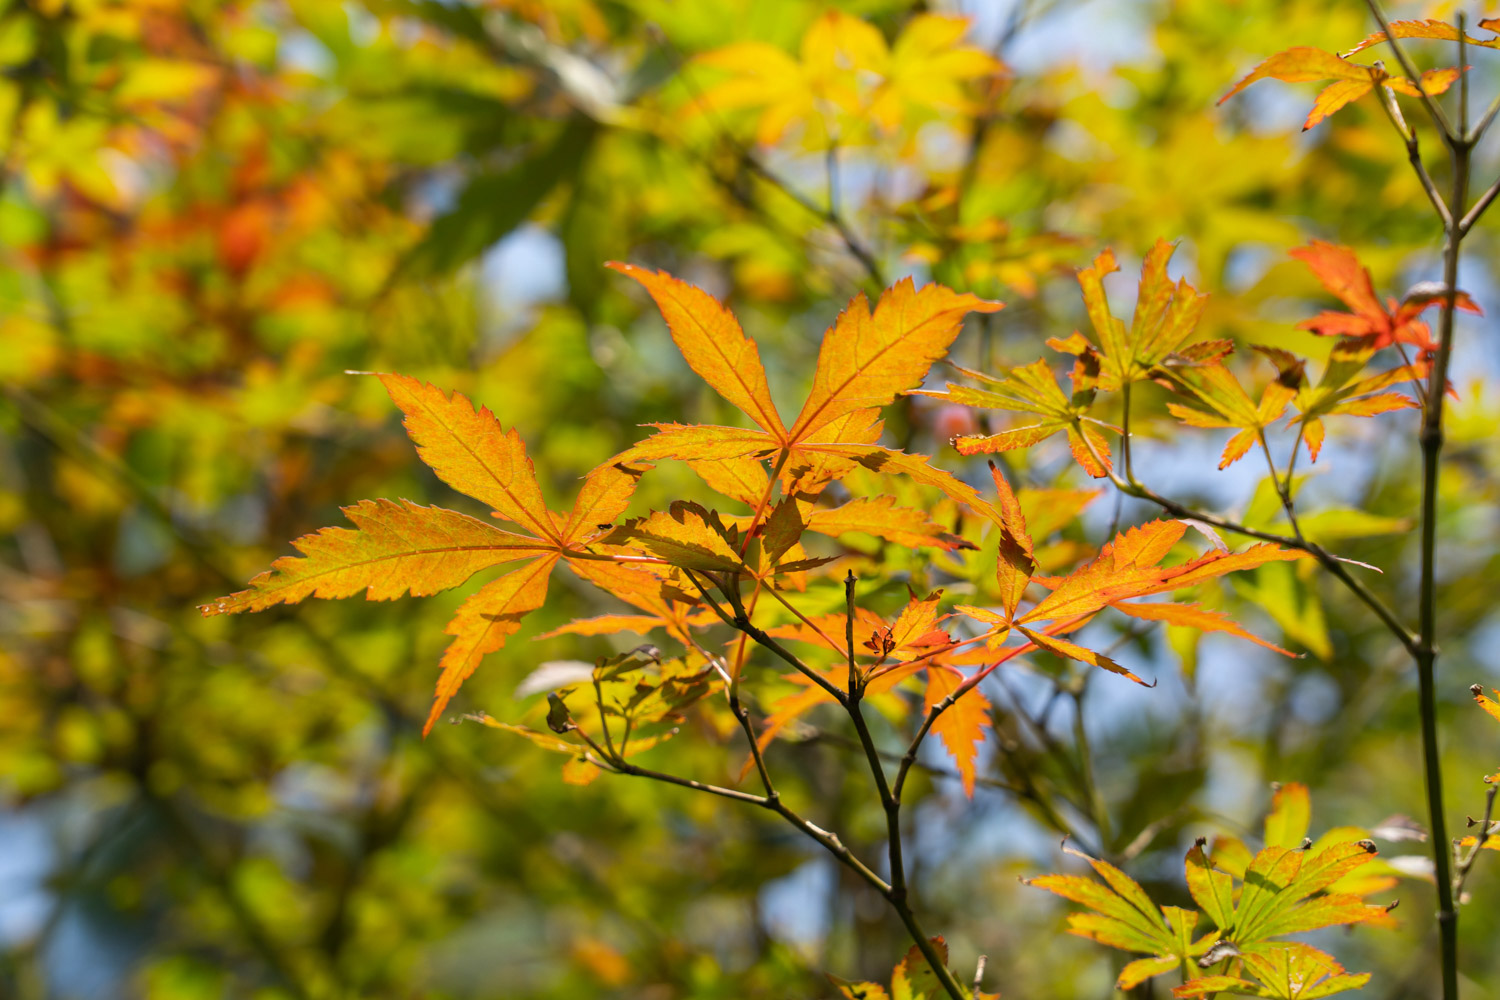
1344 388
1225 404
1429 28
1031 389
868 357
1374 324
1127 568
962 726
401 547
1166 315
1352 81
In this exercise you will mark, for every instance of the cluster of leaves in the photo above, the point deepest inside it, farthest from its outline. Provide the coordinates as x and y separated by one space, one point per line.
655 561
846 78
1159 347
1290 886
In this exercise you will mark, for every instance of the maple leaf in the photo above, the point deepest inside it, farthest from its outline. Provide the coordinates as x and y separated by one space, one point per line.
867 358
1428 28
1031 389
1372 323
687 535
658 590
1352 81
741 477
1121 915
822 83
401 547
712 343
1286 826
1224 403
1344 388
1166 315
962 726
1488 704
1126 568
880 517
1285 971
1283 891
845 75
927 70
396 548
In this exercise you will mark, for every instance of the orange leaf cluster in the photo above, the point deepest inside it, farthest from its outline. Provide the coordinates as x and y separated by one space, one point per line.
1352 81
400 547
662 563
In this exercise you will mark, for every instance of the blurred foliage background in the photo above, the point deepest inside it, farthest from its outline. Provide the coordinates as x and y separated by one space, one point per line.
211 211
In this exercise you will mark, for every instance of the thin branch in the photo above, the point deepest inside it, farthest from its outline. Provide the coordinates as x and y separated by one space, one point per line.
896 894
805 620
770 800
741 621
1479 208
888 802
1329 561
833 845
603 720
846 233
1461 872
703 591
849 582
1291 462
1478 131
635 770
1413 152
1282 490
1434 110
1426 651
608 760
